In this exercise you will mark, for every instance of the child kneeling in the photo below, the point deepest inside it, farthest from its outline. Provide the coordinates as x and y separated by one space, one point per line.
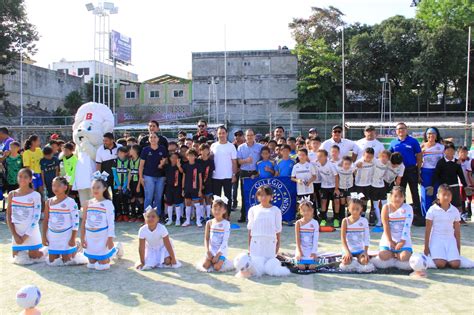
155 246
307 235
216 238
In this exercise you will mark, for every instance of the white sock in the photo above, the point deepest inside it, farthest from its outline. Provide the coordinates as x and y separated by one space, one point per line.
384 202
199 212
377 212
208 211
170 213
189 211
179 213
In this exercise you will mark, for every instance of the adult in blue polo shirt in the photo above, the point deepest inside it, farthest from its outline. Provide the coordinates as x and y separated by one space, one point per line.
248 154
151 173
410 150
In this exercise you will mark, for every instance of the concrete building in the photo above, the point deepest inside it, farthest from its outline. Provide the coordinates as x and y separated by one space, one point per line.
42 88
161 98
257 82
87 69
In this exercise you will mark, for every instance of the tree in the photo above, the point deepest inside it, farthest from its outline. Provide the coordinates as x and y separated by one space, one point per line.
16 34
456 13
442 60
319 62
73 101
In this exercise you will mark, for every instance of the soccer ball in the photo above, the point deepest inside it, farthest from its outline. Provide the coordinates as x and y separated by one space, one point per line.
418 262
28 296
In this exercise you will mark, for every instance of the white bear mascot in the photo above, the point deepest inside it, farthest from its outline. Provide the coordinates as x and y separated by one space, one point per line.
92 120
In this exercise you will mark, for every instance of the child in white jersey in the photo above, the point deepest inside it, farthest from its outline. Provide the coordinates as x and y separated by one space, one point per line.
216 237
304 174
335 159
307 235
98 225
329 186
264 225
155 247
346 185
363 178
378 193
355 235
23 215
393 175
443 231
397 218
60 223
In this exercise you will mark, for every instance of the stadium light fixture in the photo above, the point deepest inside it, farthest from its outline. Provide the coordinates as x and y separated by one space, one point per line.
90 7
108 5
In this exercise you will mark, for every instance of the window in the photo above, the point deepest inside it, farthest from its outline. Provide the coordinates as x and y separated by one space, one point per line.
154 94
178 93
130 94
82 71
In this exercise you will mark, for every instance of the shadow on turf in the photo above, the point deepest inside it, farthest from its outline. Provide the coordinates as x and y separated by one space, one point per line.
116 285
198 277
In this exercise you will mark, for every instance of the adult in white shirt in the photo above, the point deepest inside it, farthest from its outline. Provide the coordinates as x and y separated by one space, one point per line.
225 161
370 141
345 145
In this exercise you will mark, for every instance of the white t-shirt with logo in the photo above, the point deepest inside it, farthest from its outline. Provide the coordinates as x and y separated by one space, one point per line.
393 171
304 171
223 156
432 155
328 174
374 144
345 146
346 177
378 175
364 174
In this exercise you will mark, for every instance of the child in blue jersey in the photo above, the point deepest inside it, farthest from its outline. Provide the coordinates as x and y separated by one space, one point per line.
285 164
265 167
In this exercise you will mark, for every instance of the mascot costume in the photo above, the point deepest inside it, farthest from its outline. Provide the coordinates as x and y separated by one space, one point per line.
91 122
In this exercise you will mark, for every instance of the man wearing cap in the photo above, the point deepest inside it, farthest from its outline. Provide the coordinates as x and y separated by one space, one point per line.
346 146
370 141
248 154
410 150
238 140
202 131
312 133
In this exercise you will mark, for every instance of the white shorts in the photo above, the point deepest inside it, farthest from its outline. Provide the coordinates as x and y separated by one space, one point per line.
263 246
444 248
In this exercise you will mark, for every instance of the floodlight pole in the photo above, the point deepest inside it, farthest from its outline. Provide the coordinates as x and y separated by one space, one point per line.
467 85
21 82
343 88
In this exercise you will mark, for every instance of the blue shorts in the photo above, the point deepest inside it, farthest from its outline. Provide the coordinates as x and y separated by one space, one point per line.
222 258
306 262
408 249
37 181
357 253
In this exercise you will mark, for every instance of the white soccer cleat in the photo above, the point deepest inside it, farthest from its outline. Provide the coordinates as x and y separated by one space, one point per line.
101 267
187 223
168 222
178 223
91 265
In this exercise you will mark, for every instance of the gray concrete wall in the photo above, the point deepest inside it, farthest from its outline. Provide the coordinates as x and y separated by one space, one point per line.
257 81
42 87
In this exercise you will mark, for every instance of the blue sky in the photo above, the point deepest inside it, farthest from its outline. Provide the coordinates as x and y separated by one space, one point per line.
164 33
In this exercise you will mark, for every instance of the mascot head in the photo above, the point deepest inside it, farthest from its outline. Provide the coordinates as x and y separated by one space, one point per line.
92 120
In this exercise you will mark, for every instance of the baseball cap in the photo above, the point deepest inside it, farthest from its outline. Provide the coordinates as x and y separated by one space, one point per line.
238 133
313 130
336 127
369 128
54 136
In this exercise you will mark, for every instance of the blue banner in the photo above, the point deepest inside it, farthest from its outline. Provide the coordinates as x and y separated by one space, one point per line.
120 47
284 194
